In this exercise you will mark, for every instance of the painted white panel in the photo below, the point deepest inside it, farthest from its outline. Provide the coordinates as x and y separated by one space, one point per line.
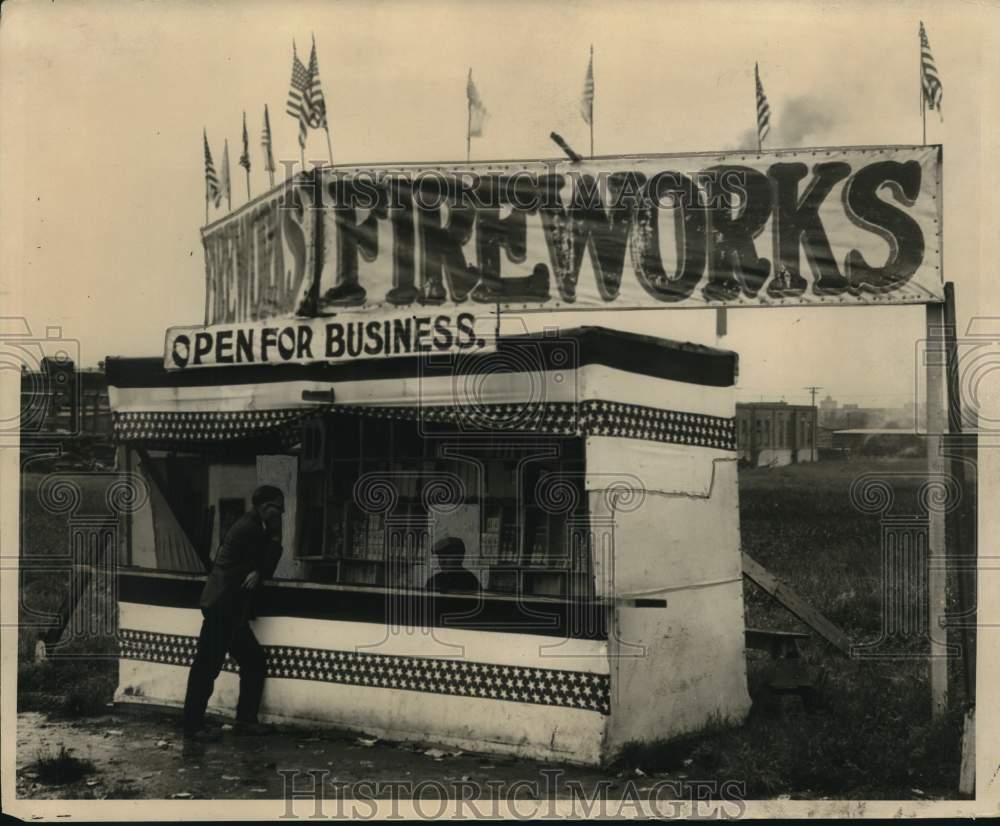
690 667
669 542
652 466
589 382
596 381
540 731
556 385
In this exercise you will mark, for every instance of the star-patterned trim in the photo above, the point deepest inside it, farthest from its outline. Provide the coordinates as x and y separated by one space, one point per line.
519 684
591 417
201 426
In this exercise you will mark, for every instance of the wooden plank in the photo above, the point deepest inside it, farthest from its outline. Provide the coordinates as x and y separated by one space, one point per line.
934 356
764 636
797 605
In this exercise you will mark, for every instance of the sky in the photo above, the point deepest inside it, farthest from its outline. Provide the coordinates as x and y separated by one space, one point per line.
102 109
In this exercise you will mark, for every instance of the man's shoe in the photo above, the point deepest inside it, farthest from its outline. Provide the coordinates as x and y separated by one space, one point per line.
202 735
246 729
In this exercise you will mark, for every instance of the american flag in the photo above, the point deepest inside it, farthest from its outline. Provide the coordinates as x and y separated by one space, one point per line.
933 91
587 99
763 109
245 157
314 93
224 176
212 192
477 112
265 142
298 96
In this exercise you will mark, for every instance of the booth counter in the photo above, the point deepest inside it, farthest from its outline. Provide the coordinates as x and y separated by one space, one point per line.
591 477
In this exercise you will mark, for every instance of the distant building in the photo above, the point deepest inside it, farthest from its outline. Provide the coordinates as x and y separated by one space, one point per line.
851 416
880 441
776 433
62 401
827 410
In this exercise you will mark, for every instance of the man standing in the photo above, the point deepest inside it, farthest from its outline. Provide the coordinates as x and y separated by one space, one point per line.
248 555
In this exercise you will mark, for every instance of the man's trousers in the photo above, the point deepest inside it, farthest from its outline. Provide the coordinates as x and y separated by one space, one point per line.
224 631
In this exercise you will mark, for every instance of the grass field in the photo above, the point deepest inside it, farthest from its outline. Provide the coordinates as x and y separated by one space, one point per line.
870 735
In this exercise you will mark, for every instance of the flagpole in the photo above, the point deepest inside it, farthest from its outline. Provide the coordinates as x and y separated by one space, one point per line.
593 95
248 185
756 114
329 146
468 122
206 206
229 180
920 82
269 157
923 112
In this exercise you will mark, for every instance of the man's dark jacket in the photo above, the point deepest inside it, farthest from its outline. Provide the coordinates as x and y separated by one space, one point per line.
246 547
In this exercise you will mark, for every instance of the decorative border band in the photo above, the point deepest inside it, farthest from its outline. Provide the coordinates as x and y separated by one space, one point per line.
462 678
590 417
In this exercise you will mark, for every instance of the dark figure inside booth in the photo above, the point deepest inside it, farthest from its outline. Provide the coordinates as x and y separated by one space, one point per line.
453 576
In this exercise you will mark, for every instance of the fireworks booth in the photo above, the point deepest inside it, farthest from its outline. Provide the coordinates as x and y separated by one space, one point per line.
356 352
592 481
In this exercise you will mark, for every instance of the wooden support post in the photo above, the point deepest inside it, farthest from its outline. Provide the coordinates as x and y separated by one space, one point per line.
934 356
961 525
967 772
125 462
764 579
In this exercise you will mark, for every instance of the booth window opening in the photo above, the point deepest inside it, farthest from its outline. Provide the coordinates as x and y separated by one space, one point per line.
377 495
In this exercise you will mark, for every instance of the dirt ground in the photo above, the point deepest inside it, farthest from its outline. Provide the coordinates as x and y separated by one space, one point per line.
137 752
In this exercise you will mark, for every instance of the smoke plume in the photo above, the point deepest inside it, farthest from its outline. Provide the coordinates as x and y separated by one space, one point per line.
801 121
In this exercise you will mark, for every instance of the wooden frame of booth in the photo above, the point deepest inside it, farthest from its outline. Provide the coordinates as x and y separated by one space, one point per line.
593 475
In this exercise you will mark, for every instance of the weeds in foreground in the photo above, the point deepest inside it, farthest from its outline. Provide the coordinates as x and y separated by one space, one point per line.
61 767
70 687
872 737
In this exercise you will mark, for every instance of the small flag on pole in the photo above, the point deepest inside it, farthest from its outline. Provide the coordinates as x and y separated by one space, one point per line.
224 176
298 96
477 112
245 157
763 110
265 142
930 81
212 192
587 99
316 104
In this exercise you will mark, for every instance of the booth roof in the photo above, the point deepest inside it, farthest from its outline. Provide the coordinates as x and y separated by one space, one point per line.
573 348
